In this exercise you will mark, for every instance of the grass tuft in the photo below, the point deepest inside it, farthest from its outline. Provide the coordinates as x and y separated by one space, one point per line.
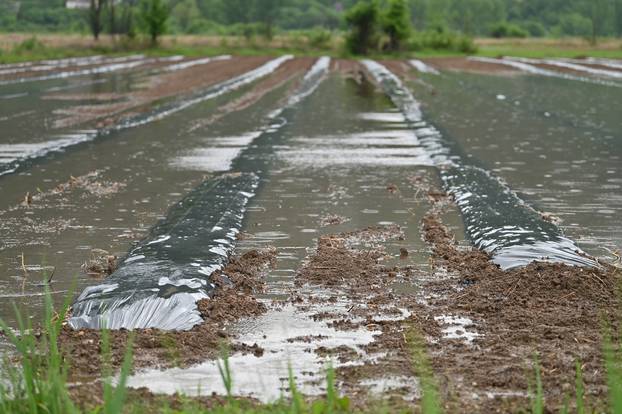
430 396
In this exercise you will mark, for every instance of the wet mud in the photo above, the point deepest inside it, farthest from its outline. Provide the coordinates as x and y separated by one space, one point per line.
344 268
162 86
468 65
357 260
282 76
552 310
234 298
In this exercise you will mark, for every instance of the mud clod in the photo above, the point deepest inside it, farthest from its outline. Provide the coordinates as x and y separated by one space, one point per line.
100 264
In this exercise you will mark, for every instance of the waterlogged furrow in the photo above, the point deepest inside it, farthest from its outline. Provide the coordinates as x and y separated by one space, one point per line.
574 66
158 284
527 66
59 64
497 220
14 156
423 67
14 159
211 93
77 61
108 68
222 151
191 63
610 63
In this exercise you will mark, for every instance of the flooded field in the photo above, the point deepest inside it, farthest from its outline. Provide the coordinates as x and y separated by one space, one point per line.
317 211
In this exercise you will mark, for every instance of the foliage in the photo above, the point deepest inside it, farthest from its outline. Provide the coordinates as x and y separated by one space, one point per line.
612 352
38 383
95 15
266 12
363 20
154 15
587 18
396 23
505 29
30 45
442 40
320 38
430 397
537 395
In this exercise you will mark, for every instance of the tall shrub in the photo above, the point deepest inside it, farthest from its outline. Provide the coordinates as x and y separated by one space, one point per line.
396 23
154 15
363 20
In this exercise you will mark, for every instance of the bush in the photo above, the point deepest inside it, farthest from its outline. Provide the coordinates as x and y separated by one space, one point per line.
29 45
574 25
363 20
396 23
505 29
154 15
441 40
535 29
320 38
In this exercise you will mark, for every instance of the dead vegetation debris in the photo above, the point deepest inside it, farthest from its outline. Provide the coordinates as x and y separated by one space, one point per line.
100 264
333 220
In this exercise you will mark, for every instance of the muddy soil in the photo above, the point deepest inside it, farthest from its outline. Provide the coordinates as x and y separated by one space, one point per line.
234 298
466 65
554 311
481 326
284 74
351 265
159 87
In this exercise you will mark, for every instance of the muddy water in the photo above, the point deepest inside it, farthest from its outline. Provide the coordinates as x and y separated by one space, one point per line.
345 152
30 111
124 184
556 142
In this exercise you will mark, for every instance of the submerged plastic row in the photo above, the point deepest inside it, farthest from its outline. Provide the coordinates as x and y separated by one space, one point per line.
19 156
528 66
160 281
497 220
107 68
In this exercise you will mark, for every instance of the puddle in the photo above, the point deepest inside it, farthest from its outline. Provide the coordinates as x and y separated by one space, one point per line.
456 327
279 333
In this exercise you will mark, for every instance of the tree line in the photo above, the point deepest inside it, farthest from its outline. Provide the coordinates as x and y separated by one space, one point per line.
498 18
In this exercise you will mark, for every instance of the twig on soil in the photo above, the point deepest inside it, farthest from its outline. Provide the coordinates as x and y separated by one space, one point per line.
513 288
25 273
51 275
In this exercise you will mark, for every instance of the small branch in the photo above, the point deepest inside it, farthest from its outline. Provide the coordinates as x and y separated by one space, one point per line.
25 273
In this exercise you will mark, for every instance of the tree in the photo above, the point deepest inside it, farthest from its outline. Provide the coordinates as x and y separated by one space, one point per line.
362 20
185 14
127 20
236 11
154 15
95 17
112 21
396 23
266 11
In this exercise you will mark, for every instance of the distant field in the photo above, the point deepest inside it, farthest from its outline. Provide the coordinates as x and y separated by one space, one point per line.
567 47
68 45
